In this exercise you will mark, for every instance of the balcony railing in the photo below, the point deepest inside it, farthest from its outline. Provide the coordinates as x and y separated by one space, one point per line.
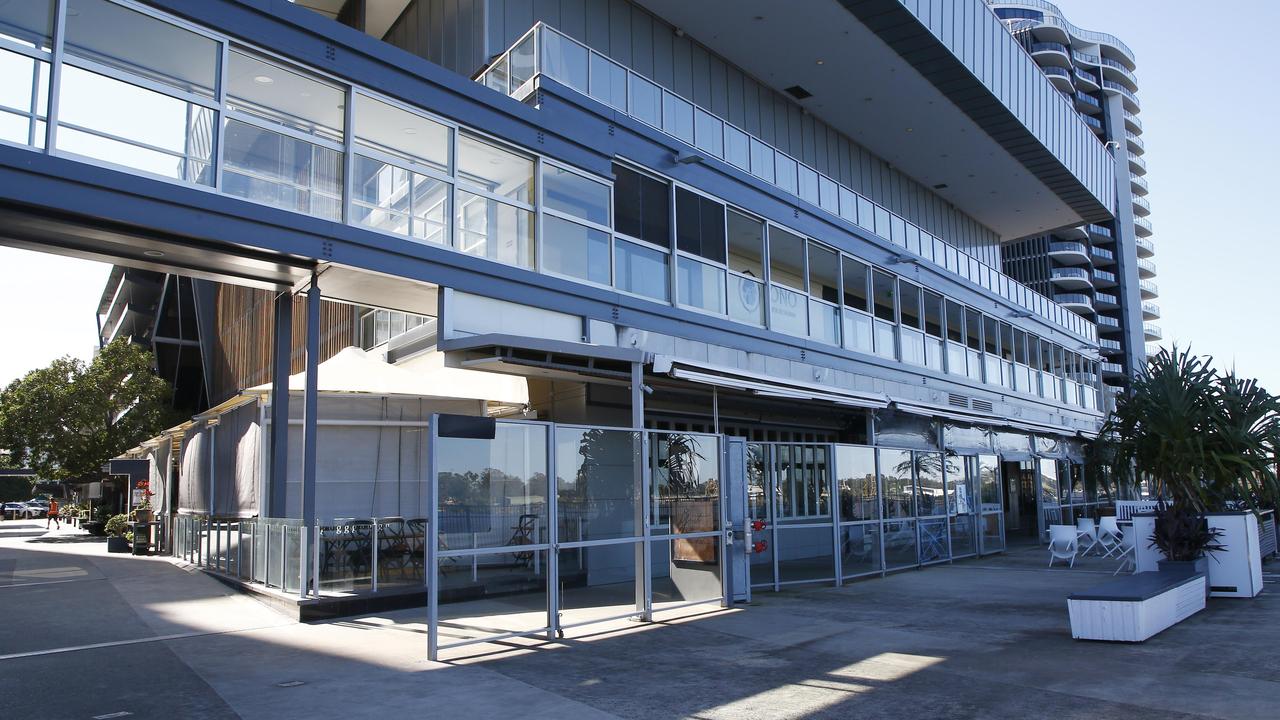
1119 67
1050 47
1132 119
1104 276
1143 203
1150 310
1117 87
1087 99
1149 288
1143 226
1107 299
1112 368
1152 331
1096 229
1139 182
1053 16
1054 71
1092 121
1068 247
546 52
1073 299
1145 247
1107 322
1110 345
1070 274
1147 267
1086 76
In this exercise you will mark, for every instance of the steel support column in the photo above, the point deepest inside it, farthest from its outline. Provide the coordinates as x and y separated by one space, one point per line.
310 411
282 356
644 553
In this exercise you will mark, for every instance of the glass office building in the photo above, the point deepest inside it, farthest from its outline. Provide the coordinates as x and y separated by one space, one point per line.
760 299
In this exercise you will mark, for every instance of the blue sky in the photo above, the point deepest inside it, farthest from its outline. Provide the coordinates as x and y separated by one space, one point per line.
1209 113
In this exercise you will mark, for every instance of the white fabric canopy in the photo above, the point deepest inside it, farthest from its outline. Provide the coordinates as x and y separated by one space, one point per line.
354 371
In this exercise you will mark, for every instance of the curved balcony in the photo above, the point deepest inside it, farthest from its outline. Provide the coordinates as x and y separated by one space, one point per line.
1141 206
1146 248
1102 256
1130 100
1078 302
1086 103
1146 268
1132 122
1054 17
1151 331
1148 289
1086 80
1051 53
1103 278
1069 253
1060 76
1135 143
1105 301
1098 231
1137 165
1142 227
1138 185
1085 58
1115 70
1106 323
1110 346
1111 369
1094 123
1150 311
1151 350
1075 278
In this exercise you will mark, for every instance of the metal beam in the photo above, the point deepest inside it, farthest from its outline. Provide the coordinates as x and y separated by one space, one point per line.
310 411
282 355
643 551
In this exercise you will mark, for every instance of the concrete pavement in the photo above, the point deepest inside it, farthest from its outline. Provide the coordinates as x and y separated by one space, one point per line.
100 634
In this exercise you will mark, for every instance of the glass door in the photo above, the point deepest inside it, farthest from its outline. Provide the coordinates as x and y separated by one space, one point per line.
789 502
985 469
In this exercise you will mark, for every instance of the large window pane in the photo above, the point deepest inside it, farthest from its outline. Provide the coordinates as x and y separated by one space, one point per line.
646 100
856 278
597 484
382 195
896 479
571 193
900 544
390 129
746 299
824 273
786 259
930 497
575 250
489 489
700 285
129 40
933 314
824 322
495 230
608 82
642 205
859 549
641 270
128 125
495 169
279 170
24 87
430 210
285 96
883 291
565 60
857 331
909 305
686 482
788 311
700 226
859 491
746 244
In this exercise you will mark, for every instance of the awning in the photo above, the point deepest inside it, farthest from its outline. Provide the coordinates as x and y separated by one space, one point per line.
950 413
764 385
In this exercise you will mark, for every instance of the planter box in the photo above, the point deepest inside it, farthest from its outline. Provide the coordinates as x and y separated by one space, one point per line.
1135 607
117 544
1233 572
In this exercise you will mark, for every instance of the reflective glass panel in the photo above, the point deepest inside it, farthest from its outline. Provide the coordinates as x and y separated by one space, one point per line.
597 581
700 285
857 331
746 299
128 40
282 95
685 471
608 82
824 322
737 148
746 244
597 484
786 258
499 171
883 292
897 483
493 493
494 230
677 117
641 270
24 84
700 225
575 250
709 133
385 127
859 549
646 100
565 60
642 205
933 539
788 311
805 554
685 570
859 490
899 544
574 194
931 496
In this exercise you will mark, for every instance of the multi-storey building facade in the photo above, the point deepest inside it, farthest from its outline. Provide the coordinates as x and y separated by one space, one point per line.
773 224
1104 270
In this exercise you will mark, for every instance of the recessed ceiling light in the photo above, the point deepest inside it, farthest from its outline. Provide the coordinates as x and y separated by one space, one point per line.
153 253
820 62
263 79
908 129
410 131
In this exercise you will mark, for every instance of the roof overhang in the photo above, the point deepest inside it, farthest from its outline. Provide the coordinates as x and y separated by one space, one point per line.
881 77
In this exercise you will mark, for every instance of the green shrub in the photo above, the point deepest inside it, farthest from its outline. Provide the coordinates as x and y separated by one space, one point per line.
117 525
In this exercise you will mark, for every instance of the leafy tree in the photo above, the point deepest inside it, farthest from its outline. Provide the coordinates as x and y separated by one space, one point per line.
65 420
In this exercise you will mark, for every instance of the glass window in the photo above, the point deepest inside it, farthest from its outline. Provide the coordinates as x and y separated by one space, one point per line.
128 40
899 488
909 304
565 60
1006 342
285 96
642 205
700 285
575 250
990 330
856 277
522 62
597 483
22 111
746 251
858 332
933 313
824 273
272 168
699 225
859 491
494 230
390 129
497 170
1020 345
382 195
641 270
497 76
571 193
955 322
786 258
930 494
737 148
29 22
973 328
102 119
883 290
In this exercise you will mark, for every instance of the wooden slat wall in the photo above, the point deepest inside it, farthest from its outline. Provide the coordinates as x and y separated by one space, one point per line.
245 324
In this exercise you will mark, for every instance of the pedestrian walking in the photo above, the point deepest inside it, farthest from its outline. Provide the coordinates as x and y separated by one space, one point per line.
53 515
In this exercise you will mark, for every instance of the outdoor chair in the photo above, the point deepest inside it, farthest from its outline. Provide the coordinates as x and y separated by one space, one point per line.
1063 544
1109 535
1087 532
1128 550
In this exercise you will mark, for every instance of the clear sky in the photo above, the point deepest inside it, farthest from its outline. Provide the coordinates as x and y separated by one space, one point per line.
1209 116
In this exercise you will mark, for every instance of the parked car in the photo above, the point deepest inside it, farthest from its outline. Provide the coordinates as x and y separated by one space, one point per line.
24 510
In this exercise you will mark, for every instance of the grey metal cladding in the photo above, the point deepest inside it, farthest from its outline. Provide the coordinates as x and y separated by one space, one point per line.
946 42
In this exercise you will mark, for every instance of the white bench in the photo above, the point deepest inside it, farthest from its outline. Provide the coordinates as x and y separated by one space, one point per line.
1135 607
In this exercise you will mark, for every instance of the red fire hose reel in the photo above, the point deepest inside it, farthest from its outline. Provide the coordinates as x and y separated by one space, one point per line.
758 546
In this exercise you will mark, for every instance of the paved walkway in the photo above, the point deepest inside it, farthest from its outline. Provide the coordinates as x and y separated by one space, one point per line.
107 634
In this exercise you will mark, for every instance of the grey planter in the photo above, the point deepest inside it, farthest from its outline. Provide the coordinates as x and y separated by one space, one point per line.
118 544
1188 567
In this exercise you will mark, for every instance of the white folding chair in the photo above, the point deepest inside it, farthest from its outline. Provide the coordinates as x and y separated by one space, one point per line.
1063 544
1128 550
1109 535
1087 532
